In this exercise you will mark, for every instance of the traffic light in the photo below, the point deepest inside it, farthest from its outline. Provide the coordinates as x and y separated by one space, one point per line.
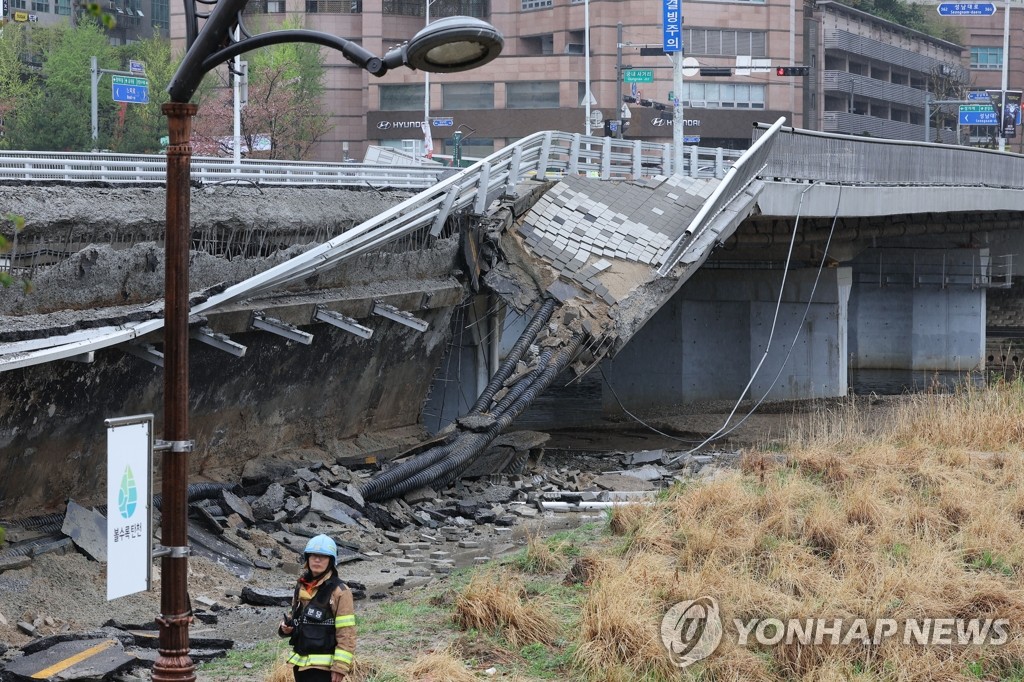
792 70
715 71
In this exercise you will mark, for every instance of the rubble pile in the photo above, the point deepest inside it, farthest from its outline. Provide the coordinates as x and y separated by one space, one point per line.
263 523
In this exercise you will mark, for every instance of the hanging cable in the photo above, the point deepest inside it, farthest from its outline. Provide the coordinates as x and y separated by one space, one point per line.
807 308
771 333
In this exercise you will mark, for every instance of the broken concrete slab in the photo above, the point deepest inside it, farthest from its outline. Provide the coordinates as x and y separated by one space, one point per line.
647 472
331 509
620 482
106 632
206 545
349 495
232 503
150 639
87 529
269 502
646 457
87 659
264 596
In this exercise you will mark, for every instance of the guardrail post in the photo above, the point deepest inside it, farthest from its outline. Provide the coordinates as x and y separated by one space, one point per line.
481 189
606 159
638 155
513 171
666 160
574 155
545 154
694 160
719 164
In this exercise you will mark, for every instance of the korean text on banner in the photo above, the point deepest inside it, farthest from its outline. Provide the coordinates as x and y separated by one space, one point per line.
129 544
672 22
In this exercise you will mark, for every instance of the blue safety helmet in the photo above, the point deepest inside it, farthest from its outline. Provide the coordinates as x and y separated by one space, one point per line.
323 545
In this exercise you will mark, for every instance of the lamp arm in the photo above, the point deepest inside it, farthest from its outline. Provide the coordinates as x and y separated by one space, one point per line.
354 52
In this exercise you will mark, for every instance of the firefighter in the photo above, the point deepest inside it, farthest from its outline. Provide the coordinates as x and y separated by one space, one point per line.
321 623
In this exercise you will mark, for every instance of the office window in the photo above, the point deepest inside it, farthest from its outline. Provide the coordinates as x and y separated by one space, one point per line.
406 97
726 43
723 95
161 19
533 45
986 57
532 95
468 95
480 9
536 4
18 4
40 5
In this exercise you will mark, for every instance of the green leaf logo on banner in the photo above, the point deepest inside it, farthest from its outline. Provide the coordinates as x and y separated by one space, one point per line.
128 495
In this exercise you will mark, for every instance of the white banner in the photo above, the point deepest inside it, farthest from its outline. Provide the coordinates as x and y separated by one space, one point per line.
129 467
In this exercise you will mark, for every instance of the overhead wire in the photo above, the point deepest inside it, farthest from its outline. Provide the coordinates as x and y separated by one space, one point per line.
771 333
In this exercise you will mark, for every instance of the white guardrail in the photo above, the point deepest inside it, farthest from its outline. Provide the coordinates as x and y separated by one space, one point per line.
547 154
607 157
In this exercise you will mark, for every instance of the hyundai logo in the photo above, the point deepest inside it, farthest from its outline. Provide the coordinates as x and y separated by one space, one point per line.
384 125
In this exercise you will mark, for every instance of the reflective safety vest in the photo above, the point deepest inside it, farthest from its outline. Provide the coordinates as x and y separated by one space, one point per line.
314 640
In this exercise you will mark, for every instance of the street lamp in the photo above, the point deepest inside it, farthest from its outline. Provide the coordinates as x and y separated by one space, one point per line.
450 45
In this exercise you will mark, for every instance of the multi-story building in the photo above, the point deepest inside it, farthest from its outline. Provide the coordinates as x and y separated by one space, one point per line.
867 75
134 19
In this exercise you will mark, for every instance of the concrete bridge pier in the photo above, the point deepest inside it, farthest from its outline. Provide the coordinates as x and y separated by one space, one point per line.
705 343
919 309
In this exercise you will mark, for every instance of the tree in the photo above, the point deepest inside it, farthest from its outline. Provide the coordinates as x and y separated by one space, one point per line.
285 104
15 85
57 114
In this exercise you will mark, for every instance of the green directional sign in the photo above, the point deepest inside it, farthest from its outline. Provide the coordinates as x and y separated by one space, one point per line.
639 76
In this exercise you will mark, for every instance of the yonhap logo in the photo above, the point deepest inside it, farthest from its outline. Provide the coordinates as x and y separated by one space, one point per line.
691 630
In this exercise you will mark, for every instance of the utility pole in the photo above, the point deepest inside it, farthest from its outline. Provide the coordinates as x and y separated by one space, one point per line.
586 56
1006 59
618 70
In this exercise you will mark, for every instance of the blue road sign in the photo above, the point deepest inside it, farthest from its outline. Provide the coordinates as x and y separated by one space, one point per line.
978 115
966 9
672 26
691 139
442 122
978 95
130 89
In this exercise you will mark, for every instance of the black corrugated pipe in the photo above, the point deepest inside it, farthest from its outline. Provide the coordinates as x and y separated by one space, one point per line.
512 358
373 488
468 445
379 486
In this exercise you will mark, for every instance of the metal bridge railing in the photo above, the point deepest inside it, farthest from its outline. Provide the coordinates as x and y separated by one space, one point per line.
828 157
607 158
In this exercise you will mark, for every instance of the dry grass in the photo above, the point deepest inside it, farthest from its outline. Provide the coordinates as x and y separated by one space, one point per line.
280 672
917 515
497 602
440 666
542 557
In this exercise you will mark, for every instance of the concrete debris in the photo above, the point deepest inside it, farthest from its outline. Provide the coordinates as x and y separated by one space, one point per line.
266 597
426 534
646 457
620 482
87 529
89 659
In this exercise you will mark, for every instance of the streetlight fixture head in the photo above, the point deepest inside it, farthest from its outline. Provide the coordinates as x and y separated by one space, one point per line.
449 45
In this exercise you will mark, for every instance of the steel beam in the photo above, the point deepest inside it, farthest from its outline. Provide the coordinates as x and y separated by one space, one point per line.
219 341
400 316
283 329
341 322
146 351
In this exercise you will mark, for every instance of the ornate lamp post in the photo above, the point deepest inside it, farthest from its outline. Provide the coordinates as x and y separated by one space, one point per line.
446 46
